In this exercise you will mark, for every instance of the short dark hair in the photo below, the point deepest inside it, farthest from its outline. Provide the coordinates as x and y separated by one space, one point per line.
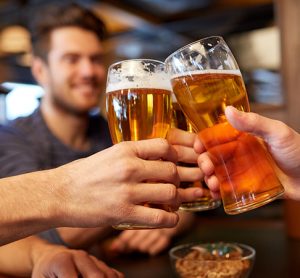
54 17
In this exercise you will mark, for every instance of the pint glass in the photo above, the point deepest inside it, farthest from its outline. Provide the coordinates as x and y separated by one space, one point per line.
138 104
205 79
203 203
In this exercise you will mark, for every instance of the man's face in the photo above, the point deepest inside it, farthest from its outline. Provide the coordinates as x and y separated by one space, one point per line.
75 70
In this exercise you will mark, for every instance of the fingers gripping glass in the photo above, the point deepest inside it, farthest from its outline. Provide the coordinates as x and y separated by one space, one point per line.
205 79
138 104
203 203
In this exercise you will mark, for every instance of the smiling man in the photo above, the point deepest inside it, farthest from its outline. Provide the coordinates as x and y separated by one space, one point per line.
67 44
67 48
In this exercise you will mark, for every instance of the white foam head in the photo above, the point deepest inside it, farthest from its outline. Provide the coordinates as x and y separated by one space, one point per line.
208 71
137 74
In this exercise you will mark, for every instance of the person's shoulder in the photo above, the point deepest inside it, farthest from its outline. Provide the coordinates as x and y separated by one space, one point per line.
22 127
12 139
25 125
7 129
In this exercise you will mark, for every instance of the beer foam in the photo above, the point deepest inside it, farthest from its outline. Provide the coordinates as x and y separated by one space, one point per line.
161 82
208 71
134 75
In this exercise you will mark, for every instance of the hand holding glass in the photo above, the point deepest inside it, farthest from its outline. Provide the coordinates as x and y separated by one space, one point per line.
205 79
138 104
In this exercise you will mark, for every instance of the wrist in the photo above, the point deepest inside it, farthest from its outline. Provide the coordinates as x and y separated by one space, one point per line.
52 197
57 186
40 248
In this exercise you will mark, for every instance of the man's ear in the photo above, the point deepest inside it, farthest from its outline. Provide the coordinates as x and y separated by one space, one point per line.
39 71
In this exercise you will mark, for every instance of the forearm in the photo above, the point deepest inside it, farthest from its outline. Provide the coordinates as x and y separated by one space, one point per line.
17 258
30 203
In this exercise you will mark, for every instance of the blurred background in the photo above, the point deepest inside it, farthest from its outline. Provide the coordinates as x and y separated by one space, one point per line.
262 34
153 29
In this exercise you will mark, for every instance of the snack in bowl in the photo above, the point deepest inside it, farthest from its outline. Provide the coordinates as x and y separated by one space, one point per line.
212 260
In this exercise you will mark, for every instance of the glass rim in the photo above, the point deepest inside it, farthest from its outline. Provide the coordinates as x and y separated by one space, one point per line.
158 66
244 257
189 44
136 60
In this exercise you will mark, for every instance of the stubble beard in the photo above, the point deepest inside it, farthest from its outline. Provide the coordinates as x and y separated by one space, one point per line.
67 108
63 105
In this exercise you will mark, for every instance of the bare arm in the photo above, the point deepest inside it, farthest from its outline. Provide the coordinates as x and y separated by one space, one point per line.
33 257
72 195
28 205
12 254
282 142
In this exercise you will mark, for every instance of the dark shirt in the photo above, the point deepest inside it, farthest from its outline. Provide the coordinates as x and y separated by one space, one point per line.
27 145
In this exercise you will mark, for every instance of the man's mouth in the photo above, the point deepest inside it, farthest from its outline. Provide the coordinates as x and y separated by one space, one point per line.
86 87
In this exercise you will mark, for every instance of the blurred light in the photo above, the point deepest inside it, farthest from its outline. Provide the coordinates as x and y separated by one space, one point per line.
14 39
22 100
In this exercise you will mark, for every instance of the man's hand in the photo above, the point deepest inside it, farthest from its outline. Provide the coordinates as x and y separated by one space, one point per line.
61 262
111 186
282 142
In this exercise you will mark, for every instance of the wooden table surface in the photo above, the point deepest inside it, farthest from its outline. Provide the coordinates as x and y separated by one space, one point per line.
277 256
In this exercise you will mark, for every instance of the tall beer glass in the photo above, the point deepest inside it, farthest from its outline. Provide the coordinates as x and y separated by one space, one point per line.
203 203
138 104
205 79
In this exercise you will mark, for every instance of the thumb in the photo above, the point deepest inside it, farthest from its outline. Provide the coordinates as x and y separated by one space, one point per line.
282 141
252 123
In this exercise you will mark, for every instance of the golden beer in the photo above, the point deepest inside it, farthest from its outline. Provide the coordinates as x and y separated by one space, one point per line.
178 118
204 95
206 202
140 113
242 164
138 106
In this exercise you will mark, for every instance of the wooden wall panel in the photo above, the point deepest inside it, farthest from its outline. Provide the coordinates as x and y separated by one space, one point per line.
288 18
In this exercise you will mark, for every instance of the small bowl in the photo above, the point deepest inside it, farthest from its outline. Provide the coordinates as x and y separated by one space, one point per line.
213 260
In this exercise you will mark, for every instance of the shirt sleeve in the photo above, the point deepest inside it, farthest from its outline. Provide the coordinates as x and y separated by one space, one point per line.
53 237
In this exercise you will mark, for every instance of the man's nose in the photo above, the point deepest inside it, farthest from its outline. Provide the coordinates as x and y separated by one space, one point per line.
87 67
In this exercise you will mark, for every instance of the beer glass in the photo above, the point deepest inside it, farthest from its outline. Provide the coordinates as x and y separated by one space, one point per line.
138 104
205 79
203 203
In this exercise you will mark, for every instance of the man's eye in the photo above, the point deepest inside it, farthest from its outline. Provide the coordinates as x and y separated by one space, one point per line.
71 59
97 59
